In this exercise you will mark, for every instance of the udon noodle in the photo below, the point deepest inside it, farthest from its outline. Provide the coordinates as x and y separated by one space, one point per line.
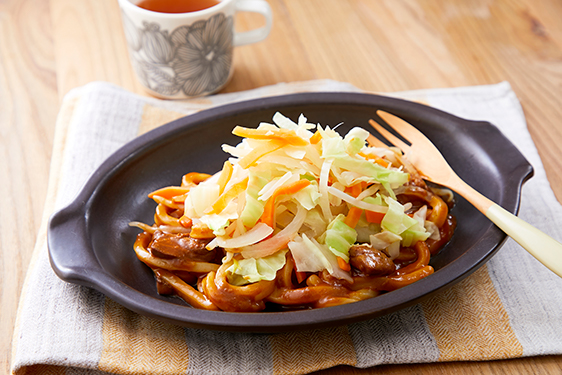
299 217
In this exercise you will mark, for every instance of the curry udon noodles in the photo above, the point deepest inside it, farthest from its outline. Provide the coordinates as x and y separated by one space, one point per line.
299 217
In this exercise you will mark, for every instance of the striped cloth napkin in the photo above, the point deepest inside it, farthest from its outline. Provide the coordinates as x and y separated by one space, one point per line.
511 307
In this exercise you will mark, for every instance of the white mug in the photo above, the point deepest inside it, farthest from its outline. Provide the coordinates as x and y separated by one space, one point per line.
186 55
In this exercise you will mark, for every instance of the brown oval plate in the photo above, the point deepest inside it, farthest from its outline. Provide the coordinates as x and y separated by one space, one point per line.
90 241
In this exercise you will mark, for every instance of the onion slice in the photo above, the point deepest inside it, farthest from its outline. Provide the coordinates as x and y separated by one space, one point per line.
278 241
324 202
356 202
259 232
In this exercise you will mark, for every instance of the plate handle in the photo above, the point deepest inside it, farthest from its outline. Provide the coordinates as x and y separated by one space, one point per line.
69 249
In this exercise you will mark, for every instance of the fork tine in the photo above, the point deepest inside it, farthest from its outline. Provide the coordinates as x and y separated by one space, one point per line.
389 136
375 142
405 129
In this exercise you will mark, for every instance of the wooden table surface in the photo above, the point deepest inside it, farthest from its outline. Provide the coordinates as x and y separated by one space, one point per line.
49 47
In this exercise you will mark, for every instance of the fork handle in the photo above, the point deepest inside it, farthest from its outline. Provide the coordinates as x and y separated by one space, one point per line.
544 248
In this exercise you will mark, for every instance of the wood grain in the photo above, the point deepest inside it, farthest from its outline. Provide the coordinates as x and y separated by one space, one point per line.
90 45
28 108
49 48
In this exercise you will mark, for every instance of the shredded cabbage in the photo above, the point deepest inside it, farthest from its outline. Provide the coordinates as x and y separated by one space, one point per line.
339 237
308 197
355 140
310 221
253 208
308 257
202 197
219 222
311 256
247 271
386 241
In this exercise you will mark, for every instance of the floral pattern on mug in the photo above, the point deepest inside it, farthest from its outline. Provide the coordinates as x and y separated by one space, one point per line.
194 59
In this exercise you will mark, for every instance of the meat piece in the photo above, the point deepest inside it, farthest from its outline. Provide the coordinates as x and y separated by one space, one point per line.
180 245
369 261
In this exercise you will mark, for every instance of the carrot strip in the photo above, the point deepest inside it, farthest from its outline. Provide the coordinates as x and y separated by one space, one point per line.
225 175
343 264
377 159
185 222
317 137
374 217
382 162
258 152
268 216
354 213
287 135
354 190
223 200
301 276
353 216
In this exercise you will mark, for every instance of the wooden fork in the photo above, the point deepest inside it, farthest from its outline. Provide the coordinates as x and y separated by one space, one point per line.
433 167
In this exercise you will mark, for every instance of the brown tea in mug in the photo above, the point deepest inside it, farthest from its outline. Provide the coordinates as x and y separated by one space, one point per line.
176 6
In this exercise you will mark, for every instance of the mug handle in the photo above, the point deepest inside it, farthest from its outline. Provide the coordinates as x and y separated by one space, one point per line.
259 34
